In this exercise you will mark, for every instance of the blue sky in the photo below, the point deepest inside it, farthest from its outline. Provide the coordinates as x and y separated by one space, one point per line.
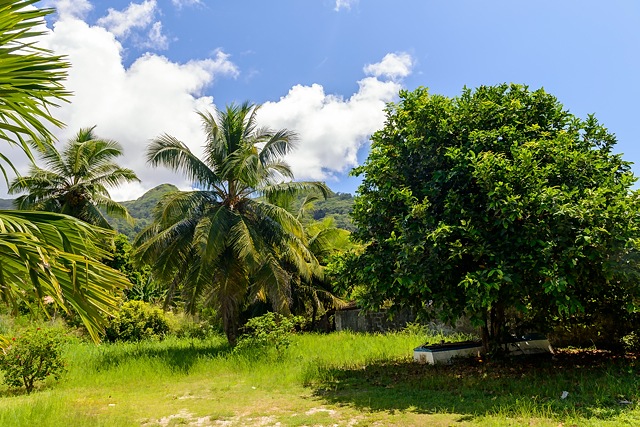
326 68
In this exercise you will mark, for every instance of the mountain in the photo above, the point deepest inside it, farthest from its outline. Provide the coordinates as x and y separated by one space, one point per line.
6 204
337 205
141 210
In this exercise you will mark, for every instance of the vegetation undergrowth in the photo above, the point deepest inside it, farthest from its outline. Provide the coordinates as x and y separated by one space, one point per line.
340 378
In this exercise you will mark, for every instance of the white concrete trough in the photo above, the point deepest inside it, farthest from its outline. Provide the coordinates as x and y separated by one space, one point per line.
529 344
443 353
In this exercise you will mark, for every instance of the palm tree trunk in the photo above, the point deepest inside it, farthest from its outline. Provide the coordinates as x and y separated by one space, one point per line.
230 325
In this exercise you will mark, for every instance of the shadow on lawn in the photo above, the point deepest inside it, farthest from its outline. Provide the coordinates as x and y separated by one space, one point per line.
599 386
179 358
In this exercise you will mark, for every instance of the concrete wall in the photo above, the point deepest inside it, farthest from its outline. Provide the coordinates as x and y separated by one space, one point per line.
356 321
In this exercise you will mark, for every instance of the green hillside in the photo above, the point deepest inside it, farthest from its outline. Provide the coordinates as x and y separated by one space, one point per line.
141 210
337 205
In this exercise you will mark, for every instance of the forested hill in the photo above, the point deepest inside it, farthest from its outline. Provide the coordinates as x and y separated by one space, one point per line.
6 204
337 206
141 210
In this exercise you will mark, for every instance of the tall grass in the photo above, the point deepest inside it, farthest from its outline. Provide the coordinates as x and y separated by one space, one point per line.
366 377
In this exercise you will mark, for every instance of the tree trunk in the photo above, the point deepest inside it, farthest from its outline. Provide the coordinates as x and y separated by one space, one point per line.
314 313
230 322
493 332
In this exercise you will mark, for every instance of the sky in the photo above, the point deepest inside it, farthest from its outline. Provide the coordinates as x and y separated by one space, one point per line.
326 69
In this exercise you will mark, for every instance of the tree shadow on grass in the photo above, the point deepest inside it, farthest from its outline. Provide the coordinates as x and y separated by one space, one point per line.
179 356
599 386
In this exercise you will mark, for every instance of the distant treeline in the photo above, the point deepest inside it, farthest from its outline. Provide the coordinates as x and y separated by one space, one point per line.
337 206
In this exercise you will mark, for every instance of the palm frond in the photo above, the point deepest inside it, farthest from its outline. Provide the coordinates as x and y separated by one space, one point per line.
31 78
171 153
45 254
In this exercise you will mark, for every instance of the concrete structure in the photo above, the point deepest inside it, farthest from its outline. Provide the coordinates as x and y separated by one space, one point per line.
444 353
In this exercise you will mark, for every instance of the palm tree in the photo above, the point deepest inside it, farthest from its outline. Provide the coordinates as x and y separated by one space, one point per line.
75 181
223 244
323 240
44 254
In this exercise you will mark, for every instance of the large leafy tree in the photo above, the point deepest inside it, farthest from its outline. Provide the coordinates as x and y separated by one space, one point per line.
500 205
225 243
44 254
75 181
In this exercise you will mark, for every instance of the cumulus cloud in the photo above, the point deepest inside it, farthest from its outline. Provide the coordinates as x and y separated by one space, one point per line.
181 3
155 95
72 8
156 40
332 129
137 15
344 4
393 66
136 104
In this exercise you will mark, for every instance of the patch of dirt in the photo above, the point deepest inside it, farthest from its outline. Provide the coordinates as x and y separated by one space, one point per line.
316 410
183 415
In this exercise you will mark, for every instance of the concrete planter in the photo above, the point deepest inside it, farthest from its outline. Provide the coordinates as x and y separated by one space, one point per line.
443 353
529 344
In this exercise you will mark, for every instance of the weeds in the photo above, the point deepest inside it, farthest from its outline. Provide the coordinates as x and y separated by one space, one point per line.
326 379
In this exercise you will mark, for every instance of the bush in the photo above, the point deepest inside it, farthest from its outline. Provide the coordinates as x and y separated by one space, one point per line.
138 320
32 356
269 331
200 327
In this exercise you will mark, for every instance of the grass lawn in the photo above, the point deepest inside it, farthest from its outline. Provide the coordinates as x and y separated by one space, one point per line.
339 379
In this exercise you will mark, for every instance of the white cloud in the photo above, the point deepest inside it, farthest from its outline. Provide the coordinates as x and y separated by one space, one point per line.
181 3
344 4
155 96
331 129
393 66
156 40
136 104
137 15
72 8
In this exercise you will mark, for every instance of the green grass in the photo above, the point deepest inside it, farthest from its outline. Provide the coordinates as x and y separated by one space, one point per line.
337 379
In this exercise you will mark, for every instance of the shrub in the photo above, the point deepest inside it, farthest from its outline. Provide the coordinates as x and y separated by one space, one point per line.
185 326
271 330
138 320
32 356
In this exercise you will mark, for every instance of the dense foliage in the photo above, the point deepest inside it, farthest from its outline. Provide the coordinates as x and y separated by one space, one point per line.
138 320
499 205
267 332
32 356
337 206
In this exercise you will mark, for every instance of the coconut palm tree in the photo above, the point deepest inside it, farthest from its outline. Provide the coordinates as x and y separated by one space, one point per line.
223 244
44 256
75 181
315 294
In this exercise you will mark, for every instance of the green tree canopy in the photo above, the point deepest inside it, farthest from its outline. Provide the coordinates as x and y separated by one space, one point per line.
225 244
495 202
75 181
